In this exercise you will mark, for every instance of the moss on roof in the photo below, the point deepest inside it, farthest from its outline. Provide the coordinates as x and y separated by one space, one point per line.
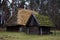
44 20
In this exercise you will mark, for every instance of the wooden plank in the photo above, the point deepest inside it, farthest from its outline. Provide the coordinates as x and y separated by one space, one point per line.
41 30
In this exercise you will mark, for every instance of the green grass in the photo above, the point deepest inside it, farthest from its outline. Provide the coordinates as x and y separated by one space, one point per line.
23 36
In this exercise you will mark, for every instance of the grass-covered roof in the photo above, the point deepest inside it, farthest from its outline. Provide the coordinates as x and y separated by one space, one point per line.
23 15
44 20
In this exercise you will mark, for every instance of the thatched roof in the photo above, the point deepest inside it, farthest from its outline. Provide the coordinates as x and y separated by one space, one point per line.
22 17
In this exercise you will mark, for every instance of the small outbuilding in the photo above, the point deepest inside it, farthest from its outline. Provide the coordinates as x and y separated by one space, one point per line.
30 22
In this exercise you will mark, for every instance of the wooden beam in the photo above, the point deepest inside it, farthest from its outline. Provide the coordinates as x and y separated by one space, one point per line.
28 30
55 31
41 30
20 29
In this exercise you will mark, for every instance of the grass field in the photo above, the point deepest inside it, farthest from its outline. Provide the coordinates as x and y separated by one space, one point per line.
23 36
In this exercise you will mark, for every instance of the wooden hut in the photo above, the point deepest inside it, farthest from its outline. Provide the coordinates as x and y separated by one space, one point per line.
29 22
